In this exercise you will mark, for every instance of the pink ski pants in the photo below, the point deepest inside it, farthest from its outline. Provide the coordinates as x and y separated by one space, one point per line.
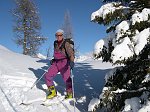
62 66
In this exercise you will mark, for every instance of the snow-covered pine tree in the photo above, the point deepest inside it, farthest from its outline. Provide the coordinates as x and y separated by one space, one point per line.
27 26
67 27
128 44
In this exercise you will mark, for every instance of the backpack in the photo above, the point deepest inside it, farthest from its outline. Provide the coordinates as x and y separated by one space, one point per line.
70 41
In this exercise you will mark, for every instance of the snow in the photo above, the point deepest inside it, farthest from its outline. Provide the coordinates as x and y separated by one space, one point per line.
125 47
143 16
142 38
122 50
18 73
146 108
105 9
93 102
41 56
98 46
84 57
147 78
102 42
121 29
132 105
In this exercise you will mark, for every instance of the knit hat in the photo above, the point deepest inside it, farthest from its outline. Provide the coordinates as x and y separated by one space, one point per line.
60 31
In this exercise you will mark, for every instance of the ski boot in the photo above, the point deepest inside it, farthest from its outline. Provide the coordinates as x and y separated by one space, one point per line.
52 92
69 95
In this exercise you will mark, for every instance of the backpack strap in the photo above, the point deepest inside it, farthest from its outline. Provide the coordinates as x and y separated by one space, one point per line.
55 43
63 45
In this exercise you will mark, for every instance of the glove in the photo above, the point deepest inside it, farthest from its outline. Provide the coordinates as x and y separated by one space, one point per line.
52 61
71 64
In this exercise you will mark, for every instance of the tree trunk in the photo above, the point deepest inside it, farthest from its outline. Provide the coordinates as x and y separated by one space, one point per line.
25 38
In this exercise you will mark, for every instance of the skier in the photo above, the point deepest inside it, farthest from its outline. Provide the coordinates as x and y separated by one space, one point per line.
62 62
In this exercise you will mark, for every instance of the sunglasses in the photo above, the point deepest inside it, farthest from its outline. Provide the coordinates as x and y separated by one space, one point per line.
59 35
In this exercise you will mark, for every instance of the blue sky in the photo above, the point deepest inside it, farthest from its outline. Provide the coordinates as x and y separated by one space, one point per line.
85 32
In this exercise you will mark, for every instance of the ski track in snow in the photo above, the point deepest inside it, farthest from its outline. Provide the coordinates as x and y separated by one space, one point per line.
5 104
11 92
14 100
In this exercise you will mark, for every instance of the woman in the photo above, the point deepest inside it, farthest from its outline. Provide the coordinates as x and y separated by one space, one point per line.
63 62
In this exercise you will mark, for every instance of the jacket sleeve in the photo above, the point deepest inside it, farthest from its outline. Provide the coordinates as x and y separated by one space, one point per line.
70 51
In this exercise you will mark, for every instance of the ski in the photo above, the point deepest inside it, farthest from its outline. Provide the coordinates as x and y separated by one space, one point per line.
56 101
26 104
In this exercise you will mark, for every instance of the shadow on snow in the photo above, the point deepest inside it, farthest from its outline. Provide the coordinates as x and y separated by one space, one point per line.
88 82
39 72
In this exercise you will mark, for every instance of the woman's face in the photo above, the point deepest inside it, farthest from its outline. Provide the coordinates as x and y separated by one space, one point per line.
59 36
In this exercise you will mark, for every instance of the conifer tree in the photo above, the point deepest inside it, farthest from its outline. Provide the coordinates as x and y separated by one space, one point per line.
67 27
131 77
27 27
48 52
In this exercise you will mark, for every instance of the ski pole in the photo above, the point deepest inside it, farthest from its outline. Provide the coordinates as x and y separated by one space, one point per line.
39 79
73 88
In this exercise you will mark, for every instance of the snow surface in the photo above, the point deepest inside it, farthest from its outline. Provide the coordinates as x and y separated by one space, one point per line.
19 72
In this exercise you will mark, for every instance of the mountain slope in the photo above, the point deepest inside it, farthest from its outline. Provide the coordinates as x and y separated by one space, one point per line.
19 72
